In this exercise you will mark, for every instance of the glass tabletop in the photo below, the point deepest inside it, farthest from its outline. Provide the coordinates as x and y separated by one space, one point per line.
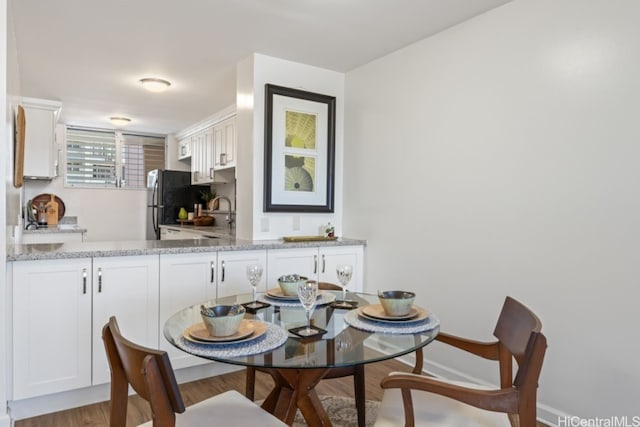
341 345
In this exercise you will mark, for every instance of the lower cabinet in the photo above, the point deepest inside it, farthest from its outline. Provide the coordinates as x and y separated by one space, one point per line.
317 264
232 271
51 326
125 287
185 279
59 307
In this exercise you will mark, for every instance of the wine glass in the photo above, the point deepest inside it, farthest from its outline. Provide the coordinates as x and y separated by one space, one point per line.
307 293
254 274
344 273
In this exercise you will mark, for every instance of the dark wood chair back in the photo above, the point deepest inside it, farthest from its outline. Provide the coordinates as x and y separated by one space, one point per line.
148 371
519 338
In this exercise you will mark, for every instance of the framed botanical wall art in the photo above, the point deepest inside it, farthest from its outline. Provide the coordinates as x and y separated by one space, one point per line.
299 150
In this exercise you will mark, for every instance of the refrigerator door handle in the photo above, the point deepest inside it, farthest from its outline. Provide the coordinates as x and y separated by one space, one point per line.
154 209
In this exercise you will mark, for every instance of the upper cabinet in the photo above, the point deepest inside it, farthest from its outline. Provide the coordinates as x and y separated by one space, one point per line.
184 148
202 157
41 151
224 144
211 146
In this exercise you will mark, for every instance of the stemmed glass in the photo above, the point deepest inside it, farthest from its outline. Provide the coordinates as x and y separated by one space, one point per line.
344 273
254 274
307 293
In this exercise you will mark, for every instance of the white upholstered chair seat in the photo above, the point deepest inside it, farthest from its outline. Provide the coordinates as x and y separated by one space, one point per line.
434 410
230 409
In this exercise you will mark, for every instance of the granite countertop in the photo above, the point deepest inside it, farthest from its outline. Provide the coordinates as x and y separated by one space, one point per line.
60 228
45 251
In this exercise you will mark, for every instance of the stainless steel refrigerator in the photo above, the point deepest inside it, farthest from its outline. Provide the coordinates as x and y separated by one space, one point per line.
167 192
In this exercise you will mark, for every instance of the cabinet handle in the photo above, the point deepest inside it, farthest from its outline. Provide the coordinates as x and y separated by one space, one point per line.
99 280
84 280
324 263
213 270
222 271
315 264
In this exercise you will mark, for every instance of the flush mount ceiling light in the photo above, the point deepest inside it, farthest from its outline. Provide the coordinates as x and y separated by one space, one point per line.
119 121
155 85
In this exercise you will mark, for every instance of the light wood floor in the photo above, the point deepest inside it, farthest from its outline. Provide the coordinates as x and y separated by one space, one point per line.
98 414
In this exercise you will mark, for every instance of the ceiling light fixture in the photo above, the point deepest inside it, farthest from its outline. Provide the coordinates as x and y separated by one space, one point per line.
119 121
155 85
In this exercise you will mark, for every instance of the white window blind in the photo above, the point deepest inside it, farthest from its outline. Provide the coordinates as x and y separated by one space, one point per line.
111 159
91 158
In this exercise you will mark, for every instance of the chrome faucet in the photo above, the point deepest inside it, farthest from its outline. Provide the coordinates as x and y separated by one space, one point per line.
229 217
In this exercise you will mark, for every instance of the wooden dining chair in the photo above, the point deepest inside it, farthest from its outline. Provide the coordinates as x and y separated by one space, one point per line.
448 403
150 374
356 371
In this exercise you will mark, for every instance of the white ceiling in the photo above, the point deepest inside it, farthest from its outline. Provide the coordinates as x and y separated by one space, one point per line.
90 54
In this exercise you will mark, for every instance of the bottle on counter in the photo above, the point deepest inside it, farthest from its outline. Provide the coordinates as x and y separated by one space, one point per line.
42 214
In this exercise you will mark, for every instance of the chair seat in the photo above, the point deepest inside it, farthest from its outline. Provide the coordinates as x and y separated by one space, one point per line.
431 409
227 409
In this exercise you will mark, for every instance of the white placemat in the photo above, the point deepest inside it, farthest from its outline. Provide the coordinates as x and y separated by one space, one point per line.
407 327
324 298
273 338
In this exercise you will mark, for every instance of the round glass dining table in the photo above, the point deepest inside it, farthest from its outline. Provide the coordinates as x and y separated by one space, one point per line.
297 364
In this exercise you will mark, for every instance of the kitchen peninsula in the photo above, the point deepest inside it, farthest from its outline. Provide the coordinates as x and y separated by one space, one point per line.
80 285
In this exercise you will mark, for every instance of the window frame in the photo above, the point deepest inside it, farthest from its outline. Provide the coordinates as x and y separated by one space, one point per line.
120 138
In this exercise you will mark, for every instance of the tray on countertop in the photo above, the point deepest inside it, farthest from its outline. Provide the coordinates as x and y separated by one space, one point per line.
309 238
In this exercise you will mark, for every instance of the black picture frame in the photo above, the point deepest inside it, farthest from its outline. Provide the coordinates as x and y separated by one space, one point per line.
299 155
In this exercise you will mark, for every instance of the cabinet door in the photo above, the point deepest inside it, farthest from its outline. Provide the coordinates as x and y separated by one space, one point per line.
125 287
230 142
184 148
39 148
51 326
224 137
232 272
302 261
331 257
207 172
197 157
185 280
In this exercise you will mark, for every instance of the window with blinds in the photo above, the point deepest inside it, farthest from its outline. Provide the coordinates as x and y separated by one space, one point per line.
97 158
140 154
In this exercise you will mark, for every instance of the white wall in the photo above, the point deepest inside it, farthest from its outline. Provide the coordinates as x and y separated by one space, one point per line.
107 214
252 75
6 120
500 157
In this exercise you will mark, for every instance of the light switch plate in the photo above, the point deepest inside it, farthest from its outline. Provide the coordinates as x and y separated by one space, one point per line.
296 222
264 225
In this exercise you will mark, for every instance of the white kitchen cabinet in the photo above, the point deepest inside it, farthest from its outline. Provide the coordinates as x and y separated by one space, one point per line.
202 157
185 280
40 148
126 287
317 264
184 148
232 272
224 144
51 326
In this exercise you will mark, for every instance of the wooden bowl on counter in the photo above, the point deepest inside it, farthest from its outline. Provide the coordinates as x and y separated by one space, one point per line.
203 220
